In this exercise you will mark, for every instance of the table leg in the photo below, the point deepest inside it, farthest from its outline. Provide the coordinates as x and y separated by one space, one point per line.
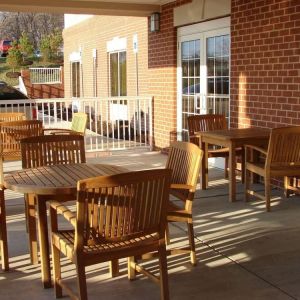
204 167
232 167
44 241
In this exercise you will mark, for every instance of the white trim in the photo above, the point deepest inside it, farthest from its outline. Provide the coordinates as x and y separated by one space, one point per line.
116 44
203 27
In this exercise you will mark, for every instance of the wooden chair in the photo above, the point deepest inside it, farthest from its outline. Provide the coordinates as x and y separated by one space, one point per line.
282 159
117 216
184 160
43 151
11 116
209 122
3 233
11 133
78 126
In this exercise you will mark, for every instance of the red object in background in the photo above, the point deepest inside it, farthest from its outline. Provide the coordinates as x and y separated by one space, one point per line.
5 45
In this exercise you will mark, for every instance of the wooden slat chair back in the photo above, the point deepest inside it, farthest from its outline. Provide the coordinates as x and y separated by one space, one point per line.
79 122
117 216
282 159
11 133
205 123
52 150
11 116
184 160
43 151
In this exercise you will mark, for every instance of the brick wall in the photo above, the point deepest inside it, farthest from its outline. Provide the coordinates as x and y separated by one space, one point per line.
94 33
265 63
42 91
162 75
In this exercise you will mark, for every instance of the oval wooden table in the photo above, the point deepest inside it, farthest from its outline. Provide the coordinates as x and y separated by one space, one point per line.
56 182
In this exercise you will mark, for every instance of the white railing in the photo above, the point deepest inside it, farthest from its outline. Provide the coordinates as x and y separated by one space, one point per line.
113 123
45 75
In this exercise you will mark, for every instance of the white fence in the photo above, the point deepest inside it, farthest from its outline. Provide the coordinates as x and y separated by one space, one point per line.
113 123
45 75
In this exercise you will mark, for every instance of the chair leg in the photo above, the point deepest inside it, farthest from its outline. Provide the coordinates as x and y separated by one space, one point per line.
3 233
131 268
247 184
56 271
164 285
32 234
226 167
243 158
81 281
1 171
167 235
287 181
192 243
267 192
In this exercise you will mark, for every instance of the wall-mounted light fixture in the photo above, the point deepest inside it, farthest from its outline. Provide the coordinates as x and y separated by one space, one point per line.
154 22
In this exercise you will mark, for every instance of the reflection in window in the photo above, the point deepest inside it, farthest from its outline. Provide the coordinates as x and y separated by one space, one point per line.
118 76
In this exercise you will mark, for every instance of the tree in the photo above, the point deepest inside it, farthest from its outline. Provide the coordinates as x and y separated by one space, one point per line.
25 45
36 25
50 45
14 58
45 48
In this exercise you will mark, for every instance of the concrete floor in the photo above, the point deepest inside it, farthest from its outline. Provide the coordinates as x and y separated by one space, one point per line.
243 252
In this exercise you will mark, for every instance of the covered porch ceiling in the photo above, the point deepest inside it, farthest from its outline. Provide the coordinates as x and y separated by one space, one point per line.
111 7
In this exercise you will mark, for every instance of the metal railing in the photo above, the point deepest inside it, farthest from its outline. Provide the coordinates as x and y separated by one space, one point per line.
113 123
45 75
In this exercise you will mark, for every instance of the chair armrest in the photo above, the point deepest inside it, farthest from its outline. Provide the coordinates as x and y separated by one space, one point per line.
54 131
179 186
64 211
256 148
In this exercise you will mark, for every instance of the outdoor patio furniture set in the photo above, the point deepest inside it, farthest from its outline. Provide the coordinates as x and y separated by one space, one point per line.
122 214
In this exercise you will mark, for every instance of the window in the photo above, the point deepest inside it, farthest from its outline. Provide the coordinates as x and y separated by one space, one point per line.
118 77
75 79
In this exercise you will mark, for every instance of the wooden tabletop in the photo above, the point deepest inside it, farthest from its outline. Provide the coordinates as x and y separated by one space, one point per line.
56 179
236 134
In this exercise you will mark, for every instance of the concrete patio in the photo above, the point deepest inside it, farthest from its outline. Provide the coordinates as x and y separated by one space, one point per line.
243 252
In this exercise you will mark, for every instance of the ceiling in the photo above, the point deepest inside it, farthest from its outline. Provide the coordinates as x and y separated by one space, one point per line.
113 7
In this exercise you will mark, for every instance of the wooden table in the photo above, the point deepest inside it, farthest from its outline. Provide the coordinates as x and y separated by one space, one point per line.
56 182
231 138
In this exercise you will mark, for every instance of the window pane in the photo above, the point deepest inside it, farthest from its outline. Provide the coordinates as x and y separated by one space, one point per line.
225 66
185 67
197 49
114 74
218 63
123 80
210 67
185 50
197 67
210 50
226 45
191 49
191 68
210 86
185 84
219 45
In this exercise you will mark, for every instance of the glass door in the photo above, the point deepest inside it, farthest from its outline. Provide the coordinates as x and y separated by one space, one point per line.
203 75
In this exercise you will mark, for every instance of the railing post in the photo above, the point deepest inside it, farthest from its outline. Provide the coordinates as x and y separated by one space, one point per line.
150 123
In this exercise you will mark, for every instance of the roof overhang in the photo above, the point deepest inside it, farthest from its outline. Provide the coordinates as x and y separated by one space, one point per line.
94 7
